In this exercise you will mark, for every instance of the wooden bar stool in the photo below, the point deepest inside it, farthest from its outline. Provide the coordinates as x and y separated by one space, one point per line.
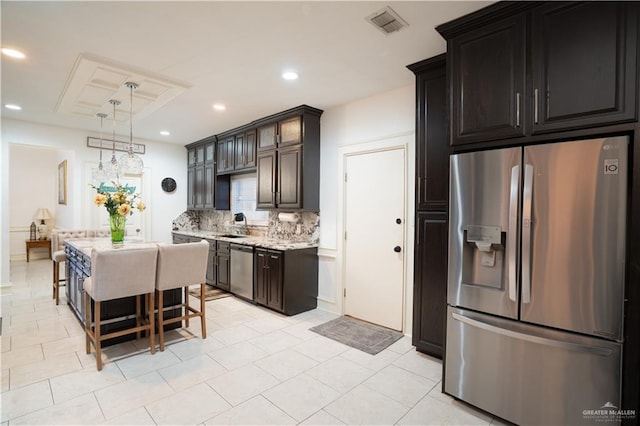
179 266
116 274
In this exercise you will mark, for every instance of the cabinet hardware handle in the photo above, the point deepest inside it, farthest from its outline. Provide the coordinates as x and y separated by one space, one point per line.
535 106
420 198
518 109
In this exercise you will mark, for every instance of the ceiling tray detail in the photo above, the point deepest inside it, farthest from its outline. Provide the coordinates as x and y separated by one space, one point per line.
93 81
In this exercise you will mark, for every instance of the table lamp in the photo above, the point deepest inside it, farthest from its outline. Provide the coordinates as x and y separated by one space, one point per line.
42 214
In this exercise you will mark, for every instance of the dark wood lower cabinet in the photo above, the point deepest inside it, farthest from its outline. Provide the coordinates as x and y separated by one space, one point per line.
223 266
286 281
430 282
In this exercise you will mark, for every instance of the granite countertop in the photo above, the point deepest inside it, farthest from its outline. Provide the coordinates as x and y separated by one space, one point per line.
85 245
248 240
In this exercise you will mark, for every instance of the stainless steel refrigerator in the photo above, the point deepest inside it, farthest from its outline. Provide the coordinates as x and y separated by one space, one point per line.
536 280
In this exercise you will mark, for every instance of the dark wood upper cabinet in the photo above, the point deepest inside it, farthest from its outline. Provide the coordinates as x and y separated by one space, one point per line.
289 188
584 64
488 67
290 131
283 149
432 145
266 180
289 160
526 68
245 150
225 157
267 136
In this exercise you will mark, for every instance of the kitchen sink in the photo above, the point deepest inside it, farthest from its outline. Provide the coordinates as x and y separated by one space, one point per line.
233 236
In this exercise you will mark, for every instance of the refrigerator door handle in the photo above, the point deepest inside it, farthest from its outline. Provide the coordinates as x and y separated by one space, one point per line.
527 198
512 242
595 350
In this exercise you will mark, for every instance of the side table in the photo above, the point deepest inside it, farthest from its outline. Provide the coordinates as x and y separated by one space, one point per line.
38 244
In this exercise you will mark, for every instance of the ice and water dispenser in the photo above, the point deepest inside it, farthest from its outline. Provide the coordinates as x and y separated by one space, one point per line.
483 256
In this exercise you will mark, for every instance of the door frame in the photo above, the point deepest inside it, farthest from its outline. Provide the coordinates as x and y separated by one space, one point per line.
403 141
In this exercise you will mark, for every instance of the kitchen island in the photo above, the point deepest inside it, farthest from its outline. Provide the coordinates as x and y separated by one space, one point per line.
115 314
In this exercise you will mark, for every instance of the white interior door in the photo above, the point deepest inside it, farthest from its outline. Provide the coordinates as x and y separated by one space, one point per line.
374 237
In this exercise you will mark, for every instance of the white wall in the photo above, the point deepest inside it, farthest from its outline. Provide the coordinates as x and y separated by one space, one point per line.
383 116
33 178
161 160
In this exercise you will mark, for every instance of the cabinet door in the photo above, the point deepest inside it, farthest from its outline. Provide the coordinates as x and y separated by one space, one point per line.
209 186
198 186
199 154
267 136
209 152
225 155
261 276
584 64
488 82
224 270
191 187
211 267
290 131
266 179
250 148
191 157
289 178
430 283
239 153
275 285
432 146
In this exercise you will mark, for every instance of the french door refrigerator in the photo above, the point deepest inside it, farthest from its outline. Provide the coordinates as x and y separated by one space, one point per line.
536 280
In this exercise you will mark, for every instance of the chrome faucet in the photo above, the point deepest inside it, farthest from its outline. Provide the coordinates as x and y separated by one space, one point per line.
239 217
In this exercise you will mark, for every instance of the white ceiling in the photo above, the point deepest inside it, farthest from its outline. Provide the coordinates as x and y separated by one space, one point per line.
229 52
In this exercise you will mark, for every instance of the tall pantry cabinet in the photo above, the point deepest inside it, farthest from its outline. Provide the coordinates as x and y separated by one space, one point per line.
432 203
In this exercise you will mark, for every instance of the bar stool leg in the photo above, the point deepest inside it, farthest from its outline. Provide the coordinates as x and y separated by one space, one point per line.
186 305
152 333
202 308
161 319
98 341
87 321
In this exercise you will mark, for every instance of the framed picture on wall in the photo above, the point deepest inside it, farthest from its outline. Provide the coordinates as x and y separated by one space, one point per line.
62 182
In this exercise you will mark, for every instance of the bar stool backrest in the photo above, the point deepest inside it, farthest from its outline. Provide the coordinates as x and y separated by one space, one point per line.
181 265
122 273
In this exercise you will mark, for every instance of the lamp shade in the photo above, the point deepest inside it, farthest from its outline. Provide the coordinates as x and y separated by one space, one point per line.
42 214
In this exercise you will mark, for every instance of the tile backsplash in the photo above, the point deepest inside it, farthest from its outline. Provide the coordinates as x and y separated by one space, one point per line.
304 226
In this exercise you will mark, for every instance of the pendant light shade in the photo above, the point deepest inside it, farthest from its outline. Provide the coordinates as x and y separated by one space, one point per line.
98 175
111 167
129 162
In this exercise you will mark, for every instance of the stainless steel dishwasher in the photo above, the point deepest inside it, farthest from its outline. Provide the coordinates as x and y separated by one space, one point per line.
242 271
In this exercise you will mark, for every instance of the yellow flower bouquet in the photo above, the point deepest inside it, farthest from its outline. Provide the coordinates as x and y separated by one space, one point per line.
119 200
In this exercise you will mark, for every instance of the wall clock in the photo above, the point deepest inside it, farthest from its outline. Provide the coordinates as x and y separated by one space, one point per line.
168 184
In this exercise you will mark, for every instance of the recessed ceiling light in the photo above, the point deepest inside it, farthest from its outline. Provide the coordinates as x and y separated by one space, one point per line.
165 133
13 53
219 107
290 75
14 107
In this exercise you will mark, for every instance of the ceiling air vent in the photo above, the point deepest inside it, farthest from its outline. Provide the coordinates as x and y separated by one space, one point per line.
387 20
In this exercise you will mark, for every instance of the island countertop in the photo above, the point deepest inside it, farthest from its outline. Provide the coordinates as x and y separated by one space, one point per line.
249 240
85 245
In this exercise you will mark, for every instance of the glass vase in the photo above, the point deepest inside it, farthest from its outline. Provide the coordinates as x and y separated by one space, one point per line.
117 222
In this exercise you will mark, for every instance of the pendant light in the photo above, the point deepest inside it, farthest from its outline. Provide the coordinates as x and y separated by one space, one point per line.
98 175
111 168
129 162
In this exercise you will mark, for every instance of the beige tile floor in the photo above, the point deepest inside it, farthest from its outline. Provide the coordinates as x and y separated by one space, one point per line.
256 367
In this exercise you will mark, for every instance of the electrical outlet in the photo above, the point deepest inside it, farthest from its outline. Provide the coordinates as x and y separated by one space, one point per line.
298 229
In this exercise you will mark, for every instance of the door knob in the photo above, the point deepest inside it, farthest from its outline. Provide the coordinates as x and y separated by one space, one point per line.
398 221
397 249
